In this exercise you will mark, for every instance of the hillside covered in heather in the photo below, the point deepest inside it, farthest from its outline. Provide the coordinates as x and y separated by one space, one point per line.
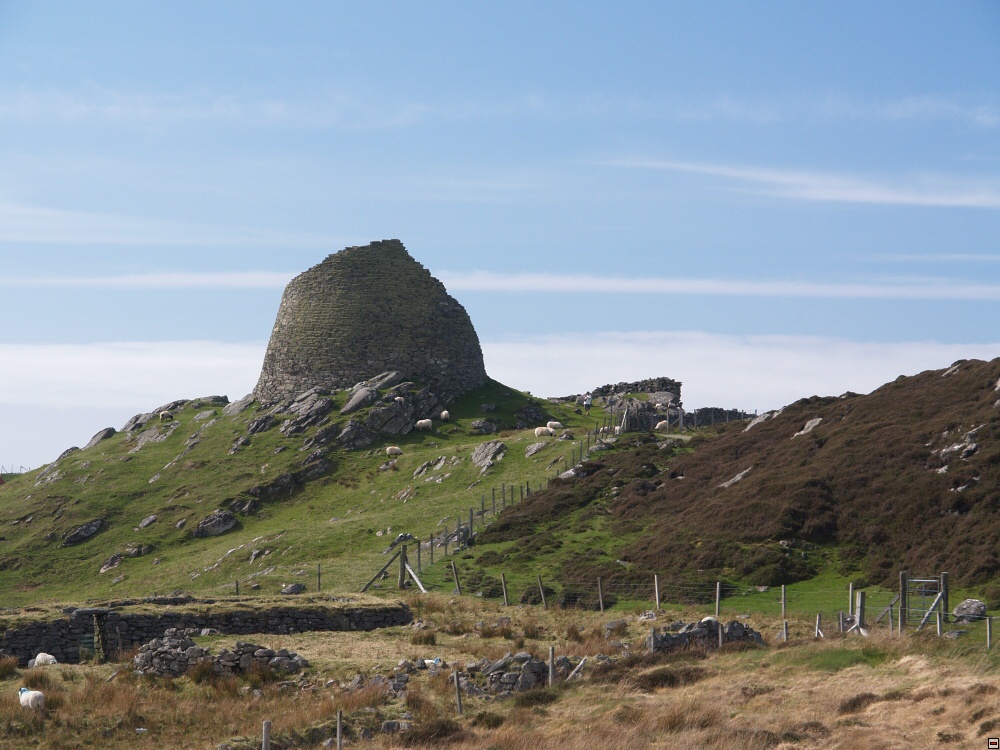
907 477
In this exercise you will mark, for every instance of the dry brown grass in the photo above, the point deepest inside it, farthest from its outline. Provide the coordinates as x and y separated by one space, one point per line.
925 692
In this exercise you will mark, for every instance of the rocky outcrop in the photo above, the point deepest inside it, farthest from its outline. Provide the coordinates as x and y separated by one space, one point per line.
84 532
704 633
487 454
215 523
367 310
102 435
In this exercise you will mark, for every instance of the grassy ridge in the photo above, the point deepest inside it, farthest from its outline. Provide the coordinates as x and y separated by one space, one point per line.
334 521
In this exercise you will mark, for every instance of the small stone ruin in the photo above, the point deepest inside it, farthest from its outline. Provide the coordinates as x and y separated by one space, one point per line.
704 633
173 655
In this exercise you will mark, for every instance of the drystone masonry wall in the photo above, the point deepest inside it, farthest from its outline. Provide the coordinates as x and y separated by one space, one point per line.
367 310
650 385
94 628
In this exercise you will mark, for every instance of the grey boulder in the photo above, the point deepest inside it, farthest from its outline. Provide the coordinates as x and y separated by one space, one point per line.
969 610
102 435
215 523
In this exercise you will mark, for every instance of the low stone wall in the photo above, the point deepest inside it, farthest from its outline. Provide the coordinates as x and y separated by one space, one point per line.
106 631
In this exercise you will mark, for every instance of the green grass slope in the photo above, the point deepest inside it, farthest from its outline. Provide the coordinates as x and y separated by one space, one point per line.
342 521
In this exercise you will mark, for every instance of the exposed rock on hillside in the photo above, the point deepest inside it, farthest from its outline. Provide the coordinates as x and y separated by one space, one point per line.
102 435
216 523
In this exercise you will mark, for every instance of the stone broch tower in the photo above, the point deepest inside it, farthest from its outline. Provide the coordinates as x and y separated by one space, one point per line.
364 311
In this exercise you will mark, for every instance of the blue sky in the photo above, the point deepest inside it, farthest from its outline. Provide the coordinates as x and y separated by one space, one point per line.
765 201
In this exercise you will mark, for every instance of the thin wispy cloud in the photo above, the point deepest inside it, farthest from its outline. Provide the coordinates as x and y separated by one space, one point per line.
486 281
157 109
917 190
27 224
978 114
180 280
943 258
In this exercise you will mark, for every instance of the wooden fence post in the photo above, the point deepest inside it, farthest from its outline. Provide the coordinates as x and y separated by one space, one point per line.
718 597
840 621
454 572
940 622
503 585
945 607
784 631
819 624
541 590
859 610
784 602
552 666
458 692
904 604
850 599
340 730
656 590
266 740
600 594
402 567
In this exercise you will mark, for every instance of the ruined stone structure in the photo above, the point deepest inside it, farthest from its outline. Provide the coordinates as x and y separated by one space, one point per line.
102 629
364 311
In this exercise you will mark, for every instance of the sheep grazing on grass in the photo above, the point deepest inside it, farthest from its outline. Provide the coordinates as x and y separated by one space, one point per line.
400 400
445 416
424 424
166 416
555 426
663 425
544 431
394 450
33 699
42 660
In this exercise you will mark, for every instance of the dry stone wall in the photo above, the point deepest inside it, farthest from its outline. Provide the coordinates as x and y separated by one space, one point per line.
63 638
367 310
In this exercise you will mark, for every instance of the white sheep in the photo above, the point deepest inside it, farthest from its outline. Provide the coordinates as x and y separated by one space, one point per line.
662 425
544 431
44 659
394 450
166 416
424 424
400 400
445 416
33 699
555 426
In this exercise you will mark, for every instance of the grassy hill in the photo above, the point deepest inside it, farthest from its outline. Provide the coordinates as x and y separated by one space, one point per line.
342 521
828 489
905 478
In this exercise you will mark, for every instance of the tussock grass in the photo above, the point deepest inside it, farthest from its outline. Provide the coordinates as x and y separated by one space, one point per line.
8 667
